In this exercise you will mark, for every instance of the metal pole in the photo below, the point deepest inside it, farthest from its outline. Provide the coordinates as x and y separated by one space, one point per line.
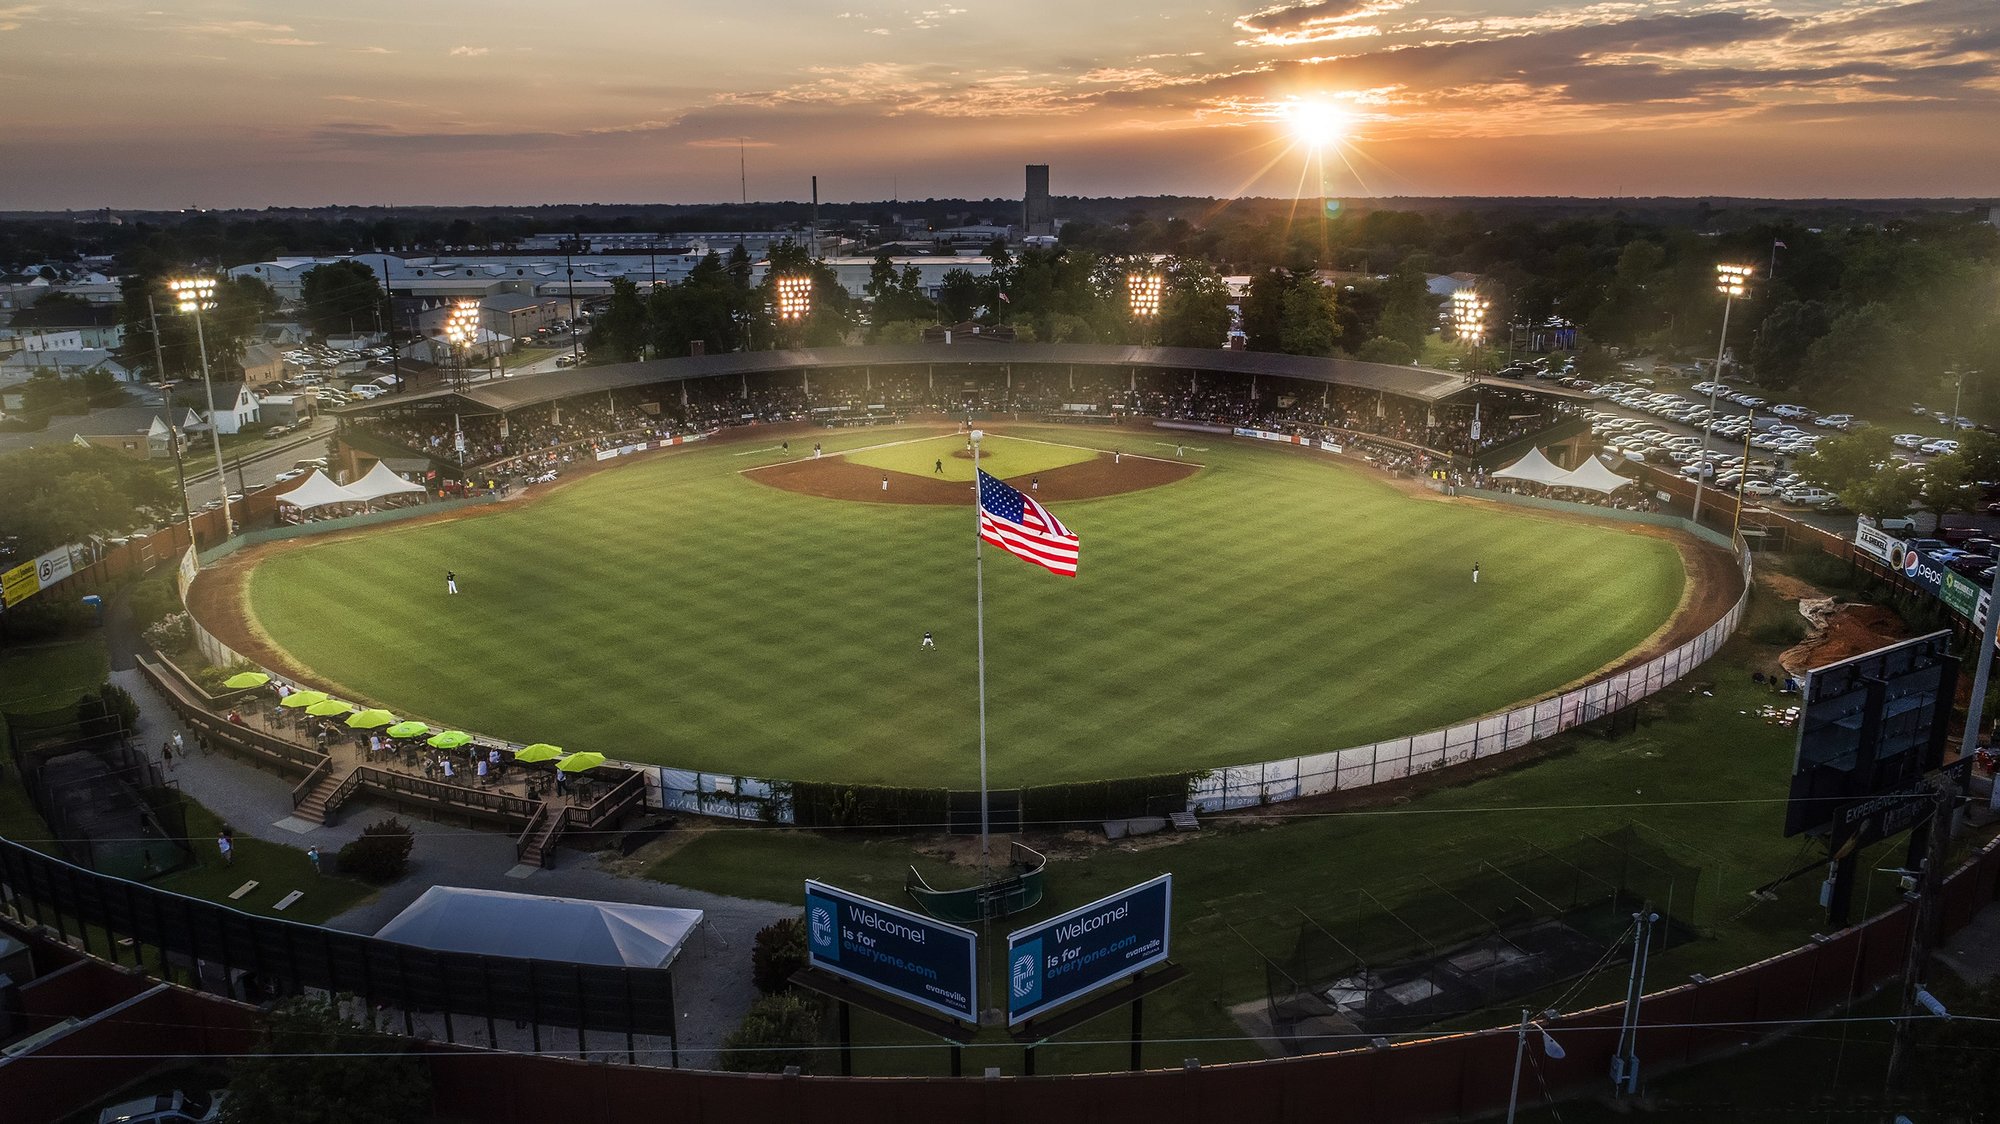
979 584
1982 668
173 431
1707 429
215 434
1520 1047
1737 525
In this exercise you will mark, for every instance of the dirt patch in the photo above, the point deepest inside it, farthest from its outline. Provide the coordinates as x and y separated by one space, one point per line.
1788 587
837 478
1850 631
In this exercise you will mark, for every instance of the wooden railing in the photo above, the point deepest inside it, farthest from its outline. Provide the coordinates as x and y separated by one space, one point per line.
348 786
496 805
616 801
304 788
527 837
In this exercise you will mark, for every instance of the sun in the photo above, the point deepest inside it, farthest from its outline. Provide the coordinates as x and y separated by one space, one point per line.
1317 123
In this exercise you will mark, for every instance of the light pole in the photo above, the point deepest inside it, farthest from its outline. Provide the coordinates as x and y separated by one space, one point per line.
1468 317
1144 290
461 327
173 429
1731 281
1549 1046
197 294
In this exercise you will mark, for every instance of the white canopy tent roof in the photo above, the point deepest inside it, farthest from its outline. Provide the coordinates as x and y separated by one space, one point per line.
318 491
1535 467
1593 475
379 482
497 923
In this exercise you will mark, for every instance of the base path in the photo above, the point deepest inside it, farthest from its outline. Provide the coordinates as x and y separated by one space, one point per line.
836 478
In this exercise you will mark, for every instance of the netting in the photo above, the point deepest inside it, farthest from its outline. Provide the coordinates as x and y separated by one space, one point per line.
1438 948
107 806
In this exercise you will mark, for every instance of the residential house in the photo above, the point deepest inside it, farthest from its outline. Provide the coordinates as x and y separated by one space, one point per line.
137 431
515 315
236 406
263 364
96 325
74 362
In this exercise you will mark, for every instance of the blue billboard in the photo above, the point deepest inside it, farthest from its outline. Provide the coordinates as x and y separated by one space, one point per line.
907 955
1070 956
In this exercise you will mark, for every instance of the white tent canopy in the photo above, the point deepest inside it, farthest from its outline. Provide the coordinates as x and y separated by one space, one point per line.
1535 467
497 923
380 482
1592 474
317 491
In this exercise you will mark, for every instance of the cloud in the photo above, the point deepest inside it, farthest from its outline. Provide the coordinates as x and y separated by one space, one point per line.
468 52
290 42
12 16
1315 21
728 142
373 51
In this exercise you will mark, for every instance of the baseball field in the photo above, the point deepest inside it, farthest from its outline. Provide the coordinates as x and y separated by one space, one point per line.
694 608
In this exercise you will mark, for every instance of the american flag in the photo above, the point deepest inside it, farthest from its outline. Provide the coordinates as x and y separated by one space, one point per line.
1021 527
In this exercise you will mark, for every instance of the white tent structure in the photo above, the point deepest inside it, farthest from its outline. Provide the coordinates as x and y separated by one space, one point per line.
381 482
497 923
1534 467
317 491
1592 475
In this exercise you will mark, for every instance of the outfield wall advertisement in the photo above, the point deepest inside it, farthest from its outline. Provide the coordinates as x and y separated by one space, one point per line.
929 963
1068 957
1959 593
654 443
30 578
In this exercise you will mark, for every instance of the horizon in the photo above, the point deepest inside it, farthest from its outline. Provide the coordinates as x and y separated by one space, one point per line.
244 105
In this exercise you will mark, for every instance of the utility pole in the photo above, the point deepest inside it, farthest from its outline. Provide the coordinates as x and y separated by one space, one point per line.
173 428
1625 1067
1923 924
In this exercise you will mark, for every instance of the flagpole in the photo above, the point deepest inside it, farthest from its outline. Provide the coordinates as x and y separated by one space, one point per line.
979 584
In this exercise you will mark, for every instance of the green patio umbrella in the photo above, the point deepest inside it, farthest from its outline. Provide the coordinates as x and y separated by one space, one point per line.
371 719
578 762
299 699
327 708
408 730
540 751
244 680
450 739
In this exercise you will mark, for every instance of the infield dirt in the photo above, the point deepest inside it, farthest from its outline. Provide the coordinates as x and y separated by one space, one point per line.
836 478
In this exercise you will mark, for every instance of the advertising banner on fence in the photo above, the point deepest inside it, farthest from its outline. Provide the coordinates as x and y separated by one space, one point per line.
30 578
1327 446
929 963
1067 957
1960 593
1875 542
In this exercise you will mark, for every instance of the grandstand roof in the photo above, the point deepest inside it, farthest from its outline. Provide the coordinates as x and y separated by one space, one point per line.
553 386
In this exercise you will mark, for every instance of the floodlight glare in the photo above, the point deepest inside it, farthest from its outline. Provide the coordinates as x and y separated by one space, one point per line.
1468 315
193 294
794 298
1145 290
1733 281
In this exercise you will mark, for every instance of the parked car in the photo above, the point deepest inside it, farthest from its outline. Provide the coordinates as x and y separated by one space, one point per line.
1809 497
276 431
1908 440
1939 447
1759 488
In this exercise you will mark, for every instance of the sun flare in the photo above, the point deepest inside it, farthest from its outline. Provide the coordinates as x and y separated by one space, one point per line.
1317 123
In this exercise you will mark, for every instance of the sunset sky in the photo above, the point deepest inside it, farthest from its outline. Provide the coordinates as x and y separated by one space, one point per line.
144 104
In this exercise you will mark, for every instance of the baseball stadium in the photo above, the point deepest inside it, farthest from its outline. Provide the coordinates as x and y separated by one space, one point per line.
1423 739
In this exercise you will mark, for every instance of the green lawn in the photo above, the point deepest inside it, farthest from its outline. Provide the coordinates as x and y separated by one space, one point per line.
1004 457
45 676
1274 604
1703 780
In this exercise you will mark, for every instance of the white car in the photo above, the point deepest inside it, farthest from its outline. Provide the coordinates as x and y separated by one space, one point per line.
1759 488
167 1108
1907 440
1834 421
1939 447
1788 410
288 474
368 390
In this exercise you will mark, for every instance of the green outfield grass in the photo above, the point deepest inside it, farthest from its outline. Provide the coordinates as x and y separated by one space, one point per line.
1002 456
675 610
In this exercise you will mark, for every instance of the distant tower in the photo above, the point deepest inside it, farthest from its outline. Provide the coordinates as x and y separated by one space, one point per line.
1037 217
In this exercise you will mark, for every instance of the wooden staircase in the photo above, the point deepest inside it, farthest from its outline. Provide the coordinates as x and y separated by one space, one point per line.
537 846
316 807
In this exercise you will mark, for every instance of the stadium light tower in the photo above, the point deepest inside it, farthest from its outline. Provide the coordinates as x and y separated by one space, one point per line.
795 297
1144 291
1468 316
1731 281
197 295
461 327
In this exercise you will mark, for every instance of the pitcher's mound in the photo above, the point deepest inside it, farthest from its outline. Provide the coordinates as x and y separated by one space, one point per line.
835 478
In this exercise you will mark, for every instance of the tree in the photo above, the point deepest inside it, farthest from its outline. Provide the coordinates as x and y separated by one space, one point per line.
1778 359
897 295
1264 310
314 1065
240 305
1194 312
1409 309
1862 353
1860 469
58 494
622 330
1947 486
1382 349
1311 325
961 296
341 296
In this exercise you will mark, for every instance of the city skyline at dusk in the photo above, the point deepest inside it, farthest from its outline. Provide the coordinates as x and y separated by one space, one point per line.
283 103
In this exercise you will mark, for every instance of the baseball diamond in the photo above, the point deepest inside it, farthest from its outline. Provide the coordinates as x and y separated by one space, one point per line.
739 614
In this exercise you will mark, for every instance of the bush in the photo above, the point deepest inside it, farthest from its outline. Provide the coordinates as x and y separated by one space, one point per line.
172 633
110 711
1382 349
46 618
154 600
779 1030
780 950
381 854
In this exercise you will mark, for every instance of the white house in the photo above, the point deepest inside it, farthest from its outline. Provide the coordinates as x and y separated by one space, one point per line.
235 408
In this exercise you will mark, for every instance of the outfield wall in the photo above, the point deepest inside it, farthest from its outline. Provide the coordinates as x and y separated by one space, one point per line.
1272 782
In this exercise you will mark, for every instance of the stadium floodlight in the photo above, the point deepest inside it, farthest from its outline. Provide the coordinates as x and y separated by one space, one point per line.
461 329
1468 316
1145 290
196 295
1731 281
795 297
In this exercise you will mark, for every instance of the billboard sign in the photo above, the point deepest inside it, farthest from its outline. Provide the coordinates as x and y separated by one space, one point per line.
30 578
904 954
1070 956
1872 725
1875 542
1961 595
